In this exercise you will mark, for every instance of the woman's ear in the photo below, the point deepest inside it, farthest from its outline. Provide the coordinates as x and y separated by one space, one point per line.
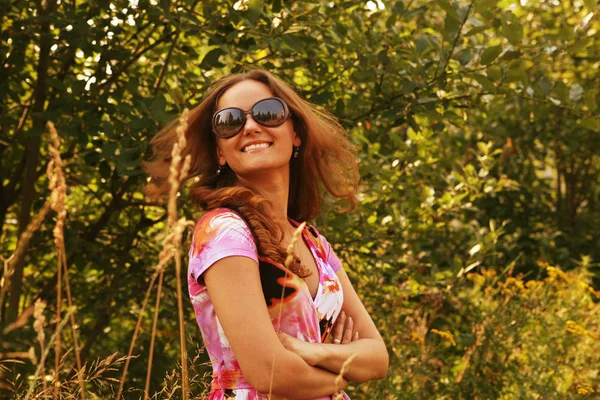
220 156
297 141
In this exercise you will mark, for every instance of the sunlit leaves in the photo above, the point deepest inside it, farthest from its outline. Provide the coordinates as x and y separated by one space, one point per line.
591 4
512 28
490 54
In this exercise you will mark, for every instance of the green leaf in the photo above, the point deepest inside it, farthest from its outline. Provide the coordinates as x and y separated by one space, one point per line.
484 5
416 11
580 45
254 11
589 99
449 8
592 123
482 148
494 73
485 82
512 28
398 8
158 105
477 29
211 59
545 85
294 42
107 128
451 27
590 4
408 87
511 55
464 57
109 149
490 54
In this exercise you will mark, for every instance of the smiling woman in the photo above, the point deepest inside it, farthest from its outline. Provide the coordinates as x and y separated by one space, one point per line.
262 156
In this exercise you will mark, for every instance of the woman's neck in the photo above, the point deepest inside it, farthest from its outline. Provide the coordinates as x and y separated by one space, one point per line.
274 188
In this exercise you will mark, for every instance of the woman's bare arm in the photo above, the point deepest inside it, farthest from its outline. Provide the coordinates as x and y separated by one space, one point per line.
235 290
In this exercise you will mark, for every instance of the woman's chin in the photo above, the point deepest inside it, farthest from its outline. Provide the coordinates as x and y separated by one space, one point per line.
266 169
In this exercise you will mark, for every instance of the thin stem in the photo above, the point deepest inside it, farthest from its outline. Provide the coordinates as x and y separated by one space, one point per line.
73 330
59 326
135 333
184 367
153 337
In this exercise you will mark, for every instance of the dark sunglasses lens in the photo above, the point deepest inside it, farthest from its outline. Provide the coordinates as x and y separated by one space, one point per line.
269 112
228 122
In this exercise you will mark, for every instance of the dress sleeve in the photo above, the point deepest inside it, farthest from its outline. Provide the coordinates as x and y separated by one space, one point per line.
330 256
218 234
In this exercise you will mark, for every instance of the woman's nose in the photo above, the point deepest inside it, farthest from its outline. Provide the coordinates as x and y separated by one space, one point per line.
251 125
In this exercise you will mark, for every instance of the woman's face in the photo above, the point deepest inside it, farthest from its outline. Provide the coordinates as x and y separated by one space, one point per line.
275 144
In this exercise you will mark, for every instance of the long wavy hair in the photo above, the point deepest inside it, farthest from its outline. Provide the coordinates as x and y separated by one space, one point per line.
327 160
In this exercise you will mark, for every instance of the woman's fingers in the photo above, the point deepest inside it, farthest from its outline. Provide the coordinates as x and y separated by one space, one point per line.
348 331
338 329
343 331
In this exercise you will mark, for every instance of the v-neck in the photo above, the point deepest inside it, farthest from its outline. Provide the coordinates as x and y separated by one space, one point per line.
313 252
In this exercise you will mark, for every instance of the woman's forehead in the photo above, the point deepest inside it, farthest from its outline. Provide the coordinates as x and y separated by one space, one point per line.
244 94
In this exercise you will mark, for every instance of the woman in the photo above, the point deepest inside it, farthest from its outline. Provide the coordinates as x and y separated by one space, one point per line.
262 155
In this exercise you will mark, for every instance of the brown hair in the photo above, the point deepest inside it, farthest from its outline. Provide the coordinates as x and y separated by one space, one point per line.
327 160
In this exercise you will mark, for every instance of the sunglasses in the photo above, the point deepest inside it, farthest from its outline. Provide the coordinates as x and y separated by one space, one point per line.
230 121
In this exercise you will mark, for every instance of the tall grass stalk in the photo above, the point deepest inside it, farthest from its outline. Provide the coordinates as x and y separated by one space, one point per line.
58 199
177 175
178 172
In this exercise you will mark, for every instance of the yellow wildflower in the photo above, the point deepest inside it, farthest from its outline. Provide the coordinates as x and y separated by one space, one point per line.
554 273
577 329
447 336
415 337
584 388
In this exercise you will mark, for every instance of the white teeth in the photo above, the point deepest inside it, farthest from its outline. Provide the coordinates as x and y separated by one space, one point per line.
255 146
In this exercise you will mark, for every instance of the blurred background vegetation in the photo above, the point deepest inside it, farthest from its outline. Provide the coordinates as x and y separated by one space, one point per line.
476 243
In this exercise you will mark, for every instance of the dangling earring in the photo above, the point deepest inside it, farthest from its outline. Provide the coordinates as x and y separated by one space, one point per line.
296 152
219 170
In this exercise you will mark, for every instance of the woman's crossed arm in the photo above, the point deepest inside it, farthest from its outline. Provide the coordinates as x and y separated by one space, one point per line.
367 354
235 290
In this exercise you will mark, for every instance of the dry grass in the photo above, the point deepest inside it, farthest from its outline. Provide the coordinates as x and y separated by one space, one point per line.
171 249
58 199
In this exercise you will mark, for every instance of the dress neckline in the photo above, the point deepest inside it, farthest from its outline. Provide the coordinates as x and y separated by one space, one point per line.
314 253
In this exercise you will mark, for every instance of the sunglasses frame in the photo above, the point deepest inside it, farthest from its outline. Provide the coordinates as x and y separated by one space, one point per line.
286 110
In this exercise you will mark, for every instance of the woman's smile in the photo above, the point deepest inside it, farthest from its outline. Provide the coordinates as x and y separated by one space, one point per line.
256 147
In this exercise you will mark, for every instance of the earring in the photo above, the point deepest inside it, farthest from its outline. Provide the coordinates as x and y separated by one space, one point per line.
219 170
296 152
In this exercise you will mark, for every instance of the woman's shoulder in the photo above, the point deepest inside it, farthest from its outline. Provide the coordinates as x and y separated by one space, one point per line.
219 229
219 223
220 217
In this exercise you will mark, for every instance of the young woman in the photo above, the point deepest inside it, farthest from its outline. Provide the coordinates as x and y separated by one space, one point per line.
262 157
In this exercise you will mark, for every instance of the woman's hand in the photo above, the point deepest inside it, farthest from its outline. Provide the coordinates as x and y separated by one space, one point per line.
343 331
312 353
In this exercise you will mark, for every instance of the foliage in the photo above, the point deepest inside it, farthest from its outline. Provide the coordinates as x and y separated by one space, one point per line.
491 335
477 123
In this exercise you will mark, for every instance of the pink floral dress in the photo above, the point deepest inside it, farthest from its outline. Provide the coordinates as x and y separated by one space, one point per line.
223 233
